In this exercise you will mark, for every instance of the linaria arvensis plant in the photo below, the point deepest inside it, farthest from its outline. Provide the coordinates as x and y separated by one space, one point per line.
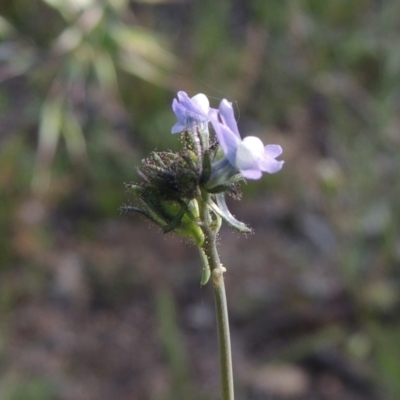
184 192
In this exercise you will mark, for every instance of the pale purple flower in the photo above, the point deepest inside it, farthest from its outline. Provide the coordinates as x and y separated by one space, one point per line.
190 112
249 156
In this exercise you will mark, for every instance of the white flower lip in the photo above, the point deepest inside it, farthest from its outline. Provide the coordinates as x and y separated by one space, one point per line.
202 102
248 153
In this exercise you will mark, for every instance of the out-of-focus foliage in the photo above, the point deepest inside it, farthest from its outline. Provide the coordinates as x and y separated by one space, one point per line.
85 91
73 64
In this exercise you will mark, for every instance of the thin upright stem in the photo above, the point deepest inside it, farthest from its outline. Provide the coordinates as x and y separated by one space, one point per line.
217 270
223 334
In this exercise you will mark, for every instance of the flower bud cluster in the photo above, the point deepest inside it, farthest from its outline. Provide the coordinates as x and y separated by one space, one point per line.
169 188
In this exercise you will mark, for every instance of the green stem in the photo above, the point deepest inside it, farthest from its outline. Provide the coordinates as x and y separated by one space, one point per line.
217 271
223 334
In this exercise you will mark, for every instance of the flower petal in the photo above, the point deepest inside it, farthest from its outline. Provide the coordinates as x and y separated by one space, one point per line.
178 128
201 102
252 174
273 150
190 112
226 138
228 117
270 165
249 151
178 109
195 107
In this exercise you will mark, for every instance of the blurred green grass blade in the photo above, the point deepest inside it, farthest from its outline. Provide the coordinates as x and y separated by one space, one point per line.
49 127
142 54
73 136
139 41
69 9
49 135
104 68
143 69
68 40
75 33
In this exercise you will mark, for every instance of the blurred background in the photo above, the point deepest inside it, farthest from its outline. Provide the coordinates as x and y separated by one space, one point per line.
97 305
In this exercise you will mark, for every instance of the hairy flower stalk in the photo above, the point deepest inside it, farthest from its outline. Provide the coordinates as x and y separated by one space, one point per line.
184 192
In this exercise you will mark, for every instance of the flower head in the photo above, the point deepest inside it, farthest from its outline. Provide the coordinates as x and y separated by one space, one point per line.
248 156
190 112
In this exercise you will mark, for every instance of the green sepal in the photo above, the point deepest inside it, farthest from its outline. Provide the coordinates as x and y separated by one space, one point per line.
135 189
191 159
222 210
206 271
183 220
205 276
206 168
219 189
